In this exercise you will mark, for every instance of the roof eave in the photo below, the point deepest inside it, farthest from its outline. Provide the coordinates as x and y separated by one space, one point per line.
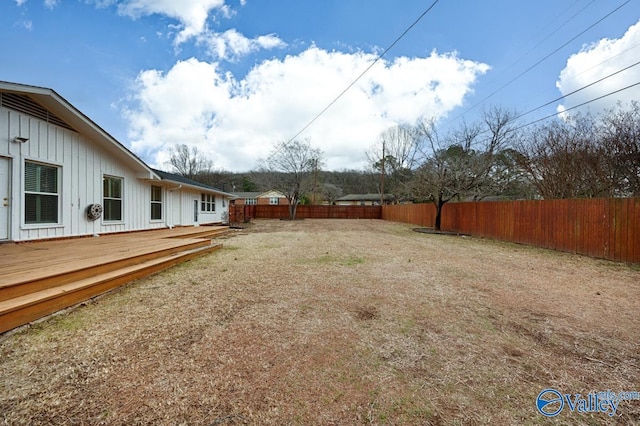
200 188
51 100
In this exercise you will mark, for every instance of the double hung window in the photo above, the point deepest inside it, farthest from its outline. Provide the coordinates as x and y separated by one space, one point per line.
112 198
42 193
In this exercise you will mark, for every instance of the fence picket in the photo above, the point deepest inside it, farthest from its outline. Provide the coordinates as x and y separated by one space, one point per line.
603 228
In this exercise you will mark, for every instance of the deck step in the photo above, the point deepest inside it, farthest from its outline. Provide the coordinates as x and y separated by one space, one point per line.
25 308
205 233
44 279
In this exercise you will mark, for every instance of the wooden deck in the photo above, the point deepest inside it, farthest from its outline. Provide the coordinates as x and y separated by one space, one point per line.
39 278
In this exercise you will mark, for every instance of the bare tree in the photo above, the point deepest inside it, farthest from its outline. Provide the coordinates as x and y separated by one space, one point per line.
620 132
189 162
564 159
331 192
460 164
394 156
352 181
290 164
315 180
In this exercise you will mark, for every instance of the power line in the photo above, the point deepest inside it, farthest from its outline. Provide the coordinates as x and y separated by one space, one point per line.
578 106
578 90
567 95
365 71
607 60
542 60
547 37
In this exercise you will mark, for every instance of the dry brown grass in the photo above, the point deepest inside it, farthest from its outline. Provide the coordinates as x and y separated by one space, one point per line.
336 322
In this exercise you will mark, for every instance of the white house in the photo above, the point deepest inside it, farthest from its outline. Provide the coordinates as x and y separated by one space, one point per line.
61 175
191 203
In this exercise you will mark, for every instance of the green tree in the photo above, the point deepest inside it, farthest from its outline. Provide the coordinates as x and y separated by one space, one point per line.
248 185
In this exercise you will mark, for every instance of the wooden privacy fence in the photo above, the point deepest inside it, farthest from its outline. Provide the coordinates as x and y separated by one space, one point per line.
243 213
604 228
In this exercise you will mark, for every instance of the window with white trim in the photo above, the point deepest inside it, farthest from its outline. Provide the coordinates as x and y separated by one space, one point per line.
112 198
207 203
251 201
156 202
41 193
274 201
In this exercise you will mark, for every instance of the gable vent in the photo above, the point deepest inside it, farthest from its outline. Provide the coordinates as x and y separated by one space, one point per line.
28 106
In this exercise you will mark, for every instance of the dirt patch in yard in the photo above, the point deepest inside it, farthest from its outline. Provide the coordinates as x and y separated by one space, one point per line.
337 322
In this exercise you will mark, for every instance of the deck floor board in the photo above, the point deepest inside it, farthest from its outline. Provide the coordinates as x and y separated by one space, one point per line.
42 277
20 262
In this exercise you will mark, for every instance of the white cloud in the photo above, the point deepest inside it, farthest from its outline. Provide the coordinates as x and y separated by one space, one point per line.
27 25
232 45
236 122
192 17
192 14
48 3
599 60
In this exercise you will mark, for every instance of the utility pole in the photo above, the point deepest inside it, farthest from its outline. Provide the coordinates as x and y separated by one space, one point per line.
382 175
314 164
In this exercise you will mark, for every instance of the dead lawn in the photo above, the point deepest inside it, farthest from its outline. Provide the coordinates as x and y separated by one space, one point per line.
336 322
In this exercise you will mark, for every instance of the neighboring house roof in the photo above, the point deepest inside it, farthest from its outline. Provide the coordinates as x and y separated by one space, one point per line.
172 177
69 116
364 197
247 194
270 193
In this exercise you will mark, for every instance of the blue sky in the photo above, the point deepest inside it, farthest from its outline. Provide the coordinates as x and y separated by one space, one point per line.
235 77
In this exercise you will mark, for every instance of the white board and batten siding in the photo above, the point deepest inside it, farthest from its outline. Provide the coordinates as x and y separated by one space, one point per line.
221 205
190 203
82 164
55 160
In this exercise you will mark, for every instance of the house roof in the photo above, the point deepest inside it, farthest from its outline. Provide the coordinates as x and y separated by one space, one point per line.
172 177
76 120
364 197
258 194
271 193
247 194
